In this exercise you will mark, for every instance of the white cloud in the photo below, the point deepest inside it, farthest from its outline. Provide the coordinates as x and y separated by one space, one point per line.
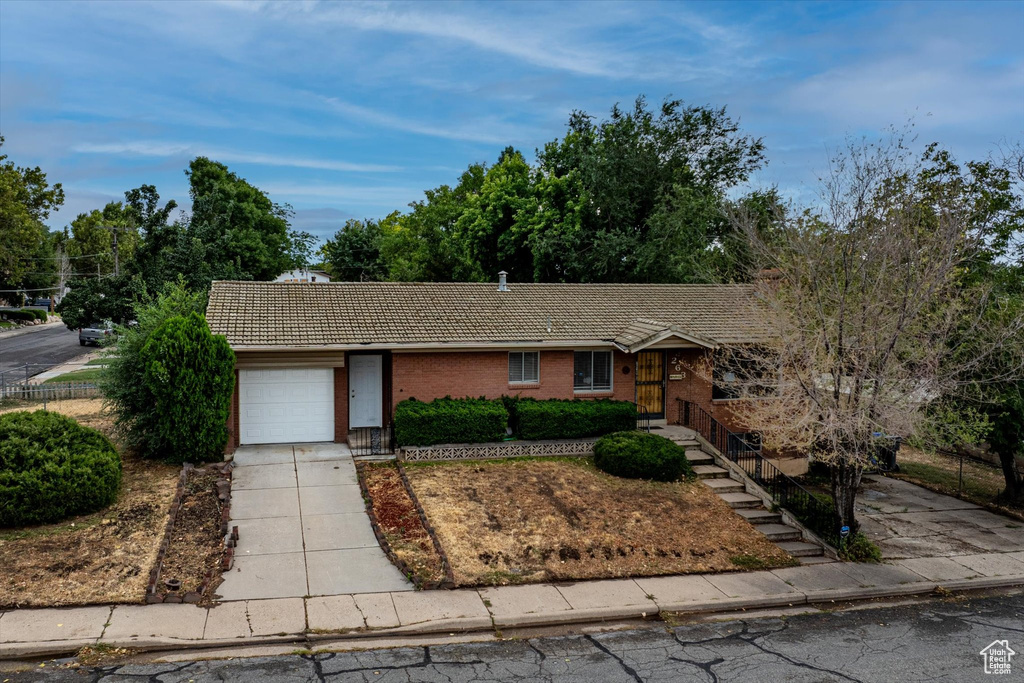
526 41
378 195
155 148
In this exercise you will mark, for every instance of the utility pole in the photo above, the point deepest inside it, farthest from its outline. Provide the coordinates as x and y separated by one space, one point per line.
114 229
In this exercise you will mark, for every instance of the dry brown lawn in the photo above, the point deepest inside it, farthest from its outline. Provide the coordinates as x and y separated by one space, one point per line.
522 521
100 558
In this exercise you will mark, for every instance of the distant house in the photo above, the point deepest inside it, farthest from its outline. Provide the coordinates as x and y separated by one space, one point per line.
303 275
317 361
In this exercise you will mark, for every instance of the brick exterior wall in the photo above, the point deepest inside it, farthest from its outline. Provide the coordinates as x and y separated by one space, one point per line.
426 376
341 404
234 421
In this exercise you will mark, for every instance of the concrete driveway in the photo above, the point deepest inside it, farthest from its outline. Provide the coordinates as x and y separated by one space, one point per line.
907 521
303 528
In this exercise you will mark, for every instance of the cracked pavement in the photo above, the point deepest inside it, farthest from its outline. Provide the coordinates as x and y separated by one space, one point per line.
936 640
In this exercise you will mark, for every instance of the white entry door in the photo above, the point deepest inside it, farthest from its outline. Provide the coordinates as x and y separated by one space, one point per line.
286 405
364 391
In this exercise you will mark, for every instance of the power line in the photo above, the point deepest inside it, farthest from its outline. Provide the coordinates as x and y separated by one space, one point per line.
18 291
57 258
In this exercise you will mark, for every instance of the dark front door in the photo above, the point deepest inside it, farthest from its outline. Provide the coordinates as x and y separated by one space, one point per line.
650 382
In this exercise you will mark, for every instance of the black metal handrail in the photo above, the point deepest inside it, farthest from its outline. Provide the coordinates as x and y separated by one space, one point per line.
643 418
369 441
817 515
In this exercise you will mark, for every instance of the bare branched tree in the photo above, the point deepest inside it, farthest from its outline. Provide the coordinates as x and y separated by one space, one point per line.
860 295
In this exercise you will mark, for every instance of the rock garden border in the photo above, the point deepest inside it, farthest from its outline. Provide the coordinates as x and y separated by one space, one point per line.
155 594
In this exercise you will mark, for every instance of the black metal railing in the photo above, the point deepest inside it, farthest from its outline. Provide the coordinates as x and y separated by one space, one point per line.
643 418
816 514
372 441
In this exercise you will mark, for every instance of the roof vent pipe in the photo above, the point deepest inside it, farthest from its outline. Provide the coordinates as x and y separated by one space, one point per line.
502 285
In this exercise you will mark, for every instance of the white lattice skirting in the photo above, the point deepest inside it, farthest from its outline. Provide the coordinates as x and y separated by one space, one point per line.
503 449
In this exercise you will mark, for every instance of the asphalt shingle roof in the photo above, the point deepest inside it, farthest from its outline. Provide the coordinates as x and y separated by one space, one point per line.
318 314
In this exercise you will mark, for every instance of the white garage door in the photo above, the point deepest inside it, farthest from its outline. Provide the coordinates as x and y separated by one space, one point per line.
286 406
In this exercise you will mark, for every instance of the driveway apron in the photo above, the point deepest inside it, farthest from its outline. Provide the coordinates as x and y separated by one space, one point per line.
303 529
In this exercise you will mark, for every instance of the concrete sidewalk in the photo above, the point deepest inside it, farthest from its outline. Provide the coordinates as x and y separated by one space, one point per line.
79 363
45 632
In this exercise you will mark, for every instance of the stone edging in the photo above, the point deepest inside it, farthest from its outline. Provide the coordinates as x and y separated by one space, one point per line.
155 595
406 570
498 449
449 581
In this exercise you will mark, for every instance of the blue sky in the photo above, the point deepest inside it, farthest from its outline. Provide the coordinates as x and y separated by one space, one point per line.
353 109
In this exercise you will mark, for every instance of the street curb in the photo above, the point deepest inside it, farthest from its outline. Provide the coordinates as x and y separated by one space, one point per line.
27 329
465 625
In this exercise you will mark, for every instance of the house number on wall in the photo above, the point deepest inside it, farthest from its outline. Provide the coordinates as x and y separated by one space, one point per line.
677 367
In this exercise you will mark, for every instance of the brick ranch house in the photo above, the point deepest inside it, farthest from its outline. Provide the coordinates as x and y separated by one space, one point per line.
317 360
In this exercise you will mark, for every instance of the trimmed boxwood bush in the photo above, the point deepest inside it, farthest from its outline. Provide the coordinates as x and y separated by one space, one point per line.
39 313
563 419
52 468
449 420
639 455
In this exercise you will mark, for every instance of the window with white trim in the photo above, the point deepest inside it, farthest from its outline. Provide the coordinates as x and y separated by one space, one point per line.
524 367
592 371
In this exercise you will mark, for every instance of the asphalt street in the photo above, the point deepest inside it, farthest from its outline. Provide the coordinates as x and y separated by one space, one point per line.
48 347
938 640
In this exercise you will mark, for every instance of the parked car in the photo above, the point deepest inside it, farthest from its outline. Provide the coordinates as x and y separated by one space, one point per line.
95 333
45 303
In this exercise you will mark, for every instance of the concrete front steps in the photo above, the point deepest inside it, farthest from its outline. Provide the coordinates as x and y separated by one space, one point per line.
747 506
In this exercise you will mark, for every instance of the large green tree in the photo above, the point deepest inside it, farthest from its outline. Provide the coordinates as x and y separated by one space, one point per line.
353 254
651 185
496 225
91 245
245 234
26 200
93 300
423 245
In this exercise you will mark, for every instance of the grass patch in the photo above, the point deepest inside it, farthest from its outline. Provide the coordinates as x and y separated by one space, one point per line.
90 375
754 563
5 325
982 482
524 521
98 361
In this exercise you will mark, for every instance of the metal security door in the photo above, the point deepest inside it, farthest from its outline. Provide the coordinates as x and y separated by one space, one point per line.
650 383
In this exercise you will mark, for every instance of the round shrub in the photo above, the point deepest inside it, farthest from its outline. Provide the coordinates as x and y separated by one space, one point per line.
639 455
52 468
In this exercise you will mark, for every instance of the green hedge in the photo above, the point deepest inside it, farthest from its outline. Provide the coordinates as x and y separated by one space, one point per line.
639 455
562 419
39 313
52 468
448 420
25 314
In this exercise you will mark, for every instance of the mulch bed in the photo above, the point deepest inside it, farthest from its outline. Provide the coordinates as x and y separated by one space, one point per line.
399 526
195 542
524 521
